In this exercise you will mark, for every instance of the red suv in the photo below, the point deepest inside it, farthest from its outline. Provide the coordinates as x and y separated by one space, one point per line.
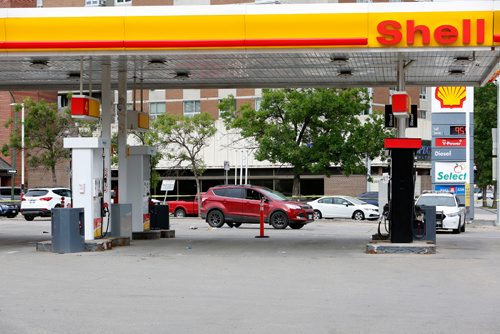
235 205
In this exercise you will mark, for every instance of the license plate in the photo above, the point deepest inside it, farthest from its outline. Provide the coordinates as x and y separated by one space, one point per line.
32 201
309 216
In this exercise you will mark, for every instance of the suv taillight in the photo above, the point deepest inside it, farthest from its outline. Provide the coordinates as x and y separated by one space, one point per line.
46 199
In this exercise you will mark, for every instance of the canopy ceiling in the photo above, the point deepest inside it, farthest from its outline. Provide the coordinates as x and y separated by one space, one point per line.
327 45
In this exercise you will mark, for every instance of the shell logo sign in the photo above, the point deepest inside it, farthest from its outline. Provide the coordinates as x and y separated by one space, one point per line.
451 97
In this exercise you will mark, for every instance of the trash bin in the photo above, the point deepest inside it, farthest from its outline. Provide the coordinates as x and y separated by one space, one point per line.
68 230
159 218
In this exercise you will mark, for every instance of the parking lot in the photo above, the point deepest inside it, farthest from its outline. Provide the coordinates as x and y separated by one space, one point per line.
314 280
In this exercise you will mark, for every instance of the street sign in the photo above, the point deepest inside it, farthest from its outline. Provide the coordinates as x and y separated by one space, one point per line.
226 165
167 185
389 117
413 119
12 171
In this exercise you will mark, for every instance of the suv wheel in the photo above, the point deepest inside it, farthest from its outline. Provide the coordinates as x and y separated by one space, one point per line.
317 214
11 215
279 220
29 217
215 218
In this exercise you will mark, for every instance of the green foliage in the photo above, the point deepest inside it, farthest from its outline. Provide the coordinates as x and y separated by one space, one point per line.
485 109
184 138
44 129
311 129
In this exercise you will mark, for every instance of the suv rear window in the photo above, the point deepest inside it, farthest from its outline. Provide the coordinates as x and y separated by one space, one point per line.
36 192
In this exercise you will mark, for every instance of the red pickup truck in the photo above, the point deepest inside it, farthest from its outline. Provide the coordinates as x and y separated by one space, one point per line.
183 207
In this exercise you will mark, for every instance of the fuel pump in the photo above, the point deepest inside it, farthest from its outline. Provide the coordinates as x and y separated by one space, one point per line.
139 185
87 183
402 187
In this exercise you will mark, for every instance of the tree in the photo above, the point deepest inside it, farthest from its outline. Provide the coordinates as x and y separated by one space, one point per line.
310 129
485 109
45 128
183 138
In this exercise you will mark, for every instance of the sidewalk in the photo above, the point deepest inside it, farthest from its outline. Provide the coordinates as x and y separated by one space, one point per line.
484 216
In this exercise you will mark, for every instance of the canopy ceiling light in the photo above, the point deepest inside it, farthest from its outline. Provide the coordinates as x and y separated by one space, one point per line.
345 74
181 74
74 75
156 63
39 64
339 60
456 72
462 61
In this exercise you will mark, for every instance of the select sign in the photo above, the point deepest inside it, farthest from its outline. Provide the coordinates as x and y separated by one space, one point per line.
450 172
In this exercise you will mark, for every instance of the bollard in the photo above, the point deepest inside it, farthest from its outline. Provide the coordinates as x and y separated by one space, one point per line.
261 235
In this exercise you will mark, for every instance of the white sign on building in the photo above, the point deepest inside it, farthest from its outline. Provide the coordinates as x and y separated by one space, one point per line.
450 172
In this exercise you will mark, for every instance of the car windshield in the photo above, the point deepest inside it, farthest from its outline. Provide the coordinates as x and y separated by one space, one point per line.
273 194
436 201
36 192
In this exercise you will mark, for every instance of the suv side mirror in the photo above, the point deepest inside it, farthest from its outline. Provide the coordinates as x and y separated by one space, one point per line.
461 205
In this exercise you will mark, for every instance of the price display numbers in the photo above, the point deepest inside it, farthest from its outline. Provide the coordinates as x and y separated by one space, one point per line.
458 130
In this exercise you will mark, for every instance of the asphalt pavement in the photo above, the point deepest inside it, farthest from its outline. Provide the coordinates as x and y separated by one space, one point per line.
314 280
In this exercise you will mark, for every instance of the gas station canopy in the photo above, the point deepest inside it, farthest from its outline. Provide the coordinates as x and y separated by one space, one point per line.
320 45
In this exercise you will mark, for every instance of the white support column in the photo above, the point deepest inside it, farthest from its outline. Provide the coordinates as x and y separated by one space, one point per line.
122 134
497 222
107 112
401 87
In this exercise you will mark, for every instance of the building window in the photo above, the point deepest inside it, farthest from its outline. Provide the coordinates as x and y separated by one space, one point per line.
423 93
156 108
123 2
257 103
92 3
422 114
191 108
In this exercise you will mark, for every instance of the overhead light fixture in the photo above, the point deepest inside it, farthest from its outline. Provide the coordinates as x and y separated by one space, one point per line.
345 73
39 64
156 63
456 72
462 61
339 60
74 75
181 74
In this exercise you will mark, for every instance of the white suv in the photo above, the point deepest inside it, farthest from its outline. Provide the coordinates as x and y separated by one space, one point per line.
450 213
40 201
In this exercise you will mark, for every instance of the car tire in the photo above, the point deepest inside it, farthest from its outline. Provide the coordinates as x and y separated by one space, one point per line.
462 228
179 213
317 215
279 220
11 215
215 218
29 217
296 226
358 215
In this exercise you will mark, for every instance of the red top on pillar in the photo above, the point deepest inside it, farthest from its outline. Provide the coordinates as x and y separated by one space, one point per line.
408 143
401 103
